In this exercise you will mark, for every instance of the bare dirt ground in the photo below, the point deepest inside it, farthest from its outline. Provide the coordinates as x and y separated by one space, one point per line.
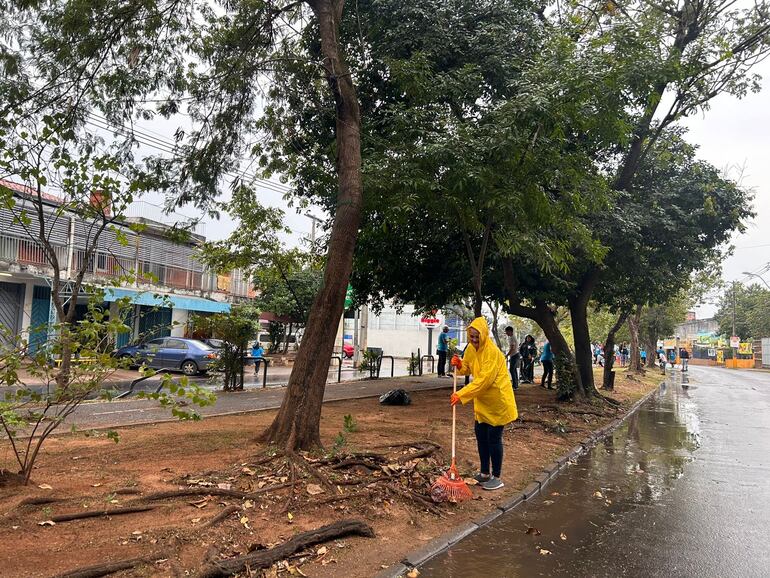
231 496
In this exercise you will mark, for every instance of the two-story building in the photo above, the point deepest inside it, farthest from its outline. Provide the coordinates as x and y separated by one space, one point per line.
167 283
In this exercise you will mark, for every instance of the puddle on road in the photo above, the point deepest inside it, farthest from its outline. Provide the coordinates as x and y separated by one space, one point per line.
616 483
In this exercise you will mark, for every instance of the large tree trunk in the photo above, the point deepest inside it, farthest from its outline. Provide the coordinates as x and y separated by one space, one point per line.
633 328
297 424
652 357
608 378
568 378
578 308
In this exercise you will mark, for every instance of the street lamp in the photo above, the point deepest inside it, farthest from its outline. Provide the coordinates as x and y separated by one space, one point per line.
757 276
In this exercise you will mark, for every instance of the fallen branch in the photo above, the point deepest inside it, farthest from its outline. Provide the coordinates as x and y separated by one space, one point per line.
421 454
211 492
266 558
355 462
423 501
220 517
110 567
39 500
353 496
100 513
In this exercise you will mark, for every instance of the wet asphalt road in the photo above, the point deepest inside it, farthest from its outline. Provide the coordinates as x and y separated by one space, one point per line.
681 489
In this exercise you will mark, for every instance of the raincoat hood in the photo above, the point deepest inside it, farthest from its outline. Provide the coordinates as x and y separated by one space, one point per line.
480 325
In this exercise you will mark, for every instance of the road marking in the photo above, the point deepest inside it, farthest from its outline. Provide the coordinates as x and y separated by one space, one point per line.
117 411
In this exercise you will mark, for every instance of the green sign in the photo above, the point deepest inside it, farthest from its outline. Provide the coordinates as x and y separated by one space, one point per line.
349 297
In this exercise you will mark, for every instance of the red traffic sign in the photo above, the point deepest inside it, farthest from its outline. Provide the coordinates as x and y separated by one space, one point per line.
430 321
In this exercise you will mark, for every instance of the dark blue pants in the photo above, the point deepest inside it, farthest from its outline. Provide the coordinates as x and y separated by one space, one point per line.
489 439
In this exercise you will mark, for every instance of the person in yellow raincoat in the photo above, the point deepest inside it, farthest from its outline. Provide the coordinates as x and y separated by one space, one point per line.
493 402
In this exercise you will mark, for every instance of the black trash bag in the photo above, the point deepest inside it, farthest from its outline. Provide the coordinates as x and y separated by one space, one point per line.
395 397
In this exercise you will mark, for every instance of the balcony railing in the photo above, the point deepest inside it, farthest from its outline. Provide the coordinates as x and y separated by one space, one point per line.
105 264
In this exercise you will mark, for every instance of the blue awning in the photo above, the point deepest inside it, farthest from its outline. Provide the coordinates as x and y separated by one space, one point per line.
162 300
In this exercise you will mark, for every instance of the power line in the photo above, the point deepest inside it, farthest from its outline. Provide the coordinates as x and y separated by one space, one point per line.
167 146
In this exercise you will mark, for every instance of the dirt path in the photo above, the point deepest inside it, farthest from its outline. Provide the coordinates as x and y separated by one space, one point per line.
377 471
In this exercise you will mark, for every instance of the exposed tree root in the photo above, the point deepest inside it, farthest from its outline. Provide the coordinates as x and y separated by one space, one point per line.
312 470
110 567
266 558
420 454
100 513
331 500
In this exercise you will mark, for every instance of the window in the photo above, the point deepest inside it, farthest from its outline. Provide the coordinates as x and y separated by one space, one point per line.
175 344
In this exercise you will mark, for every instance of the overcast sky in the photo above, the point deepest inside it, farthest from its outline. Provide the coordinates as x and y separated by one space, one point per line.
735 135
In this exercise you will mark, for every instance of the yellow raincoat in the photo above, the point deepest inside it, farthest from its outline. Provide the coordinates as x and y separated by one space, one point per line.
491 389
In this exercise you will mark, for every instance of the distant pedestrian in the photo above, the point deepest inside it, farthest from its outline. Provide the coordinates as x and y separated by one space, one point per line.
643 356
513 356
684 355
623 354
528 352
546 358
442 349
662 360
672 357
258 354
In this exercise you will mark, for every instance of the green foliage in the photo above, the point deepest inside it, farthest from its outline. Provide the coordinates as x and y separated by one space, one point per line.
277 331
237 330
752 311
368 360
39 397
413 365
349 424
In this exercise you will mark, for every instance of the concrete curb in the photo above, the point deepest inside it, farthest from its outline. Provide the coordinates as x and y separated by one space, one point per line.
443 542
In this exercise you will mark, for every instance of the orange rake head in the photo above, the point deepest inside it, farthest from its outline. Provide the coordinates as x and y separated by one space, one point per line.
450 487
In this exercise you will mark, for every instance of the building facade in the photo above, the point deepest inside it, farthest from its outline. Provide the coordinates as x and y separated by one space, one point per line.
168 282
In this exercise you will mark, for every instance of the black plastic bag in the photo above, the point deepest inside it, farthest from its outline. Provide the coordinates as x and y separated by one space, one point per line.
395 397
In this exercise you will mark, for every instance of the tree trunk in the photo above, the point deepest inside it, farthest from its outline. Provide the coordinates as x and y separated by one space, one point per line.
568 378
608 380
578 307
633 328
297 424
652 357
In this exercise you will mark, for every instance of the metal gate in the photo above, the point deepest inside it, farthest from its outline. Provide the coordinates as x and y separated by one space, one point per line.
11 303
154 322
38 326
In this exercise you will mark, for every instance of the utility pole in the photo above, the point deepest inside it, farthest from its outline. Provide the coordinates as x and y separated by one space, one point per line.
734 307
315 220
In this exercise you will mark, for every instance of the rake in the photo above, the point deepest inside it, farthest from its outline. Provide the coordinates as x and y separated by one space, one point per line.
450 487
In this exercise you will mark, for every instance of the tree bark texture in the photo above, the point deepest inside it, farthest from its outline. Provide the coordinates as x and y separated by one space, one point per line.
568 378
578 307
633 329
608 380
297 424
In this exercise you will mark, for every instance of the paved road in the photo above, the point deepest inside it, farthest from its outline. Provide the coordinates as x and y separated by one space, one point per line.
682 490
127 412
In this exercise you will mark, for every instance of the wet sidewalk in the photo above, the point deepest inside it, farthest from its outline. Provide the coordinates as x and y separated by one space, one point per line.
135 411
681 489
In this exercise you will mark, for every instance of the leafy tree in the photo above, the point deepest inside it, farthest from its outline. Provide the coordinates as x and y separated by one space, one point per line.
659 322
749 306
208 61
236 330
39 398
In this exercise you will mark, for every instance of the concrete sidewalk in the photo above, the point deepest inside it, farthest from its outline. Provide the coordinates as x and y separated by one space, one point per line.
101 414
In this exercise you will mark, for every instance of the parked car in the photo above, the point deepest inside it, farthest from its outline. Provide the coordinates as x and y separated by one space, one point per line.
215 343
190 356
348 351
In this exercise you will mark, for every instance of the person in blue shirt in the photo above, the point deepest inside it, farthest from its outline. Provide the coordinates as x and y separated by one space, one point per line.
257 352
546 359
442 349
